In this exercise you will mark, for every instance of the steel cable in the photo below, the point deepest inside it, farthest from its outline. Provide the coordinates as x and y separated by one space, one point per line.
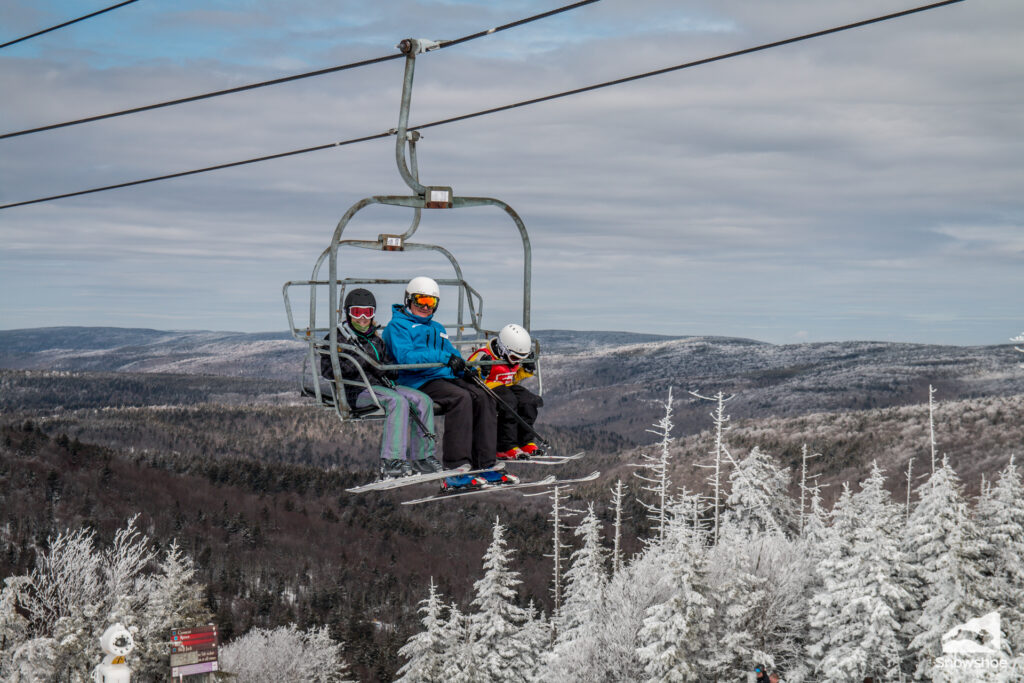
294 77
484 112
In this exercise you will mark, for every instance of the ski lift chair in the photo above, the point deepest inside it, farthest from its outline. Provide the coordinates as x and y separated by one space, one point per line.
322 340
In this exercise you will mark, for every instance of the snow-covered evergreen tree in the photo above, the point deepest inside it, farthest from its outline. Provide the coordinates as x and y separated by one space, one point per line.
174 599
858 611
495 628
284 654
578 622
944 556
425 650
675 632
14 628
759 496
1000 521
738 597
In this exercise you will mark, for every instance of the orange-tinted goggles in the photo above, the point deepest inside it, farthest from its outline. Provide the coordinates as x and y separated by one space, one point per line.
425 300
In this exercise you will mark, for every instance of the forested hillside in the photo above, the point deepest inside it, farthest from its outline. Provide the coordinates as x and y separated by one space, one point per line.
250 479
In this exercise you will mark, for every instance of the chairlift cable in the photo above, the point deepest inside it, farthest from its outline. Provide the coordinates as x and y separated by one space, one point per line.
67 23
294 77
679 67
493 110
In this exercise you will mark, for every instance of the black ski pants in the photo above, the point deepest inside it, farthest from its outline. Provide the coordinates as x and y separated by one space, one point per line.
470 422
511 432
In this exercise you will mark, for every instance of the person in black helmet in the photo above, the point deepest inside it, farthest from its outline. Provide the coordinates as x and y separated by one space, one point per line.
407 443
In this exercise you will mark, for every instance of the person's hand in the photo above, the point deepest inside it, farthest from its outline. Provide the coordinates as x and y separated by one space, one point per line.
457 365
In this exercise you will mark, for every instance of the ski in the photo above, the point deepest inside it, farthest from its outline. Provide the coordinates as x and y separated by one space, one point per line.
546 459
399 482
546 481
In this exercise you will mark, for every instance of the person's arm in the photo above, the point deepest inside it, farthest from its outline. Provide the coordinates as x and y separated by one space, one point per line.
410 347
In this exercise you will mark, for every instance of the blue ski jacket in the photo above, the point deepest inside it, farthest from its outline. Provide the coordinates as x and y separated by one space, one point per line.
412 339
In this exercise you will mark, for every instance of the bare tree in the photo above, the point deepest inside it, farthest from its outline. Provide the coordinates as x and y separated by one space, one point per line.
660 483
720 420
617 497
931 423
803 482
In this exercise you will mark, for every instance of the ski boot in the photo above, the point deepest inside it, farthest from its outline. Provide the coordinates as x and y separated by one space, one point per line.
514 453
393 468
532 449
427 465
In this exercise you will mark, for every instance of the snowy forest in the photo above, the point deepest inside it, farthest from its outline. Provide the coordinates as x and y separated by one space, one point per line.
738 574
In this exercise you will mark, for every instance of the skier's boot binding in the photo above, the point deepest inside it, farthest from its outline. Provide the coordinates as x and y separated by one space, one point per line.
498 478
532 449
461 482
394 467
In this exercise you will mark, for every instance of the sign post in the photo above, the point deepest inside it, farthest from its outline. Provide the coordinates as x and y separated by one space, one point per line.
193 651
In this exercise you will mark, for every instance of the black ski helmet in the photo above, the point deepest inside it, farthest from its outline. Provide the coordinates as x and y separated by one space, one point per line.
359 297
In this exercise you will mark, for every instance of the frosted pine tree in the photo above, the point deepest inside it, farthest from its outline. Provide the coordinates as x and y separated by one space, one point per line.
759 496
739 599
863 600
1000 521
576 644
495 626
461 665
14 628
944 561
425 650
675 632
174 600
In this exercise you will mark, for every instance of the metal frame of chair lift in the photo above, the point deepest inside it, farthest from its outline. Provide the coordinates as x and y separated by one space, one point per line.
332 394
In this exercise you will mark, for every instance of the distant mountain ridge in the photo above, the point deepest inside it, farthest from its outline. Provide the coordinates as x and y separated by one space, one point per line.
596 380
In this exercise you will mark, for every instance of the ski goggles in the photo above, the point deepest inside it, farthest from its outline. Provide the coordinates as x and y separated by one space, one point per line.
425 300
516 357
361 311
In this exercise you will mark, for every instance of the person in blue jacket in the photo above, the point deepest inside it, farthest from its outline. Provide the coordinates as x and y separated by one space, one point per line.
470 412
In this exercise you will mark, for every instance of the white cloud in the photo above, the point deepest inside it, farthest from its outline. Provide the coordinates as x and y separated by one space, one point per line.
777 191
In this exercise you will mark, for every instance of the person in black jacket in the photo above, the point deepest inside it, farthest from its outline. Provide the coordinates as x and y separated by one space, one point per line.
407 442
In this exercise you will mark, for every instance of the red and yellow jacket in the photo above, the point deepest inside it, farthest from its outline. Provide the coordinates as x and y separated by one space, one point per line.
500 374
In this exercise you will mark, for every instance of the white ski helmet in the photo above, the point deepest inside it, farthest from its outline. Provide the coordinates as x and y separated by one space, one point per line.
513 340
421 285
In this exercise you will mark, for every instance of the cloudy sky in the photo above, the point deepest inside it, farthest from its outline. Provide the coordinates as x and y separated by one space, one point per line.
864 185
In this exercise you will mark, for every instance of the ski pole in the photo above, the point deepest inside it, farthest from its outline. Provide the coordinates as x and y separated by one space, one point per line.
483 385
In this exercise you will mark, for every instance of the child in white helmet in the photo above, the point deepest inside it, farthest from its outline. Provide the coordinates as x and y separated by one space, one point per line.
512 346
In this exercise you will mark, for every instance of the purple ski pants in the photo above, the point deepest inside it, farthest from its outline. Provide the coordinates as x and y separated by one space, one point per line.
402 438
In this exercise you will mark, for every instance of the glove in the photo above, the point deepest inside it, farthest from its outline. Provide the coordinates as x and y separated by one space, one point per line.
471 374
530 366
457 365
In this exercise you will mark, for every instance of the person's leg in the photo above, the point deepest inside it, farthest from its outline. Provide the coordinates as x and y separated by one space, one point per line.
394 438
456 404
527 404
484 425
508 427
420 445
